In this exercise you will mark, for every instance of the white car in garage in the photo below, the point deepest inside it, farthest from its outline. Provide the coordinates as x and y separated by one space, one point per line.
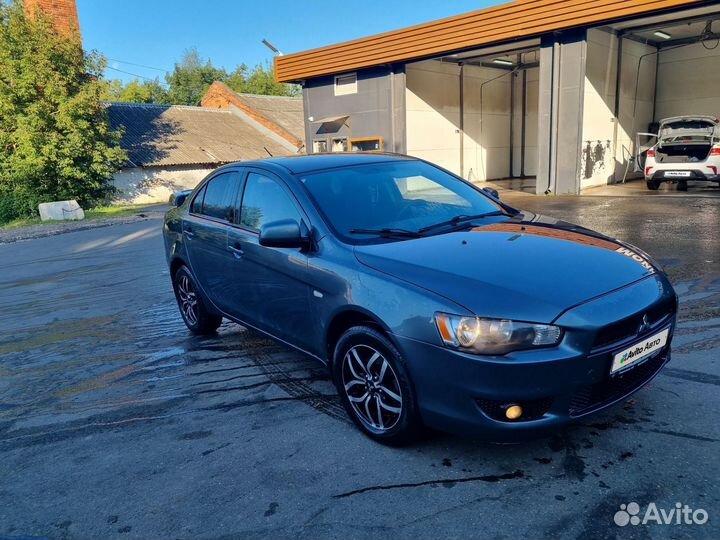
687 148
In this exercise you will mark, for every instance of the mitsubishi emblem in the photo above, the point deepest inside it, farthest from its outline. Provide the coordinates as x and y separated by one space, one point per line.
645 325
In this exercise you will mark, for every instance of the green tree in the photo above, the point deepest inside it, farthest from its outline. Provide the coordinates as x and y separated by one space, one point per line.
158 93
111 90
261 80
143 92
150 91
55 140
135 92
191 78
193 75
237 78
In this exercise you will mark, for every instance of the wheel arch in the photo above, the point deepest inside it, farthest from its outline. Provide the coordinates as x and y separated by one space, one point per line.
347 318
175 265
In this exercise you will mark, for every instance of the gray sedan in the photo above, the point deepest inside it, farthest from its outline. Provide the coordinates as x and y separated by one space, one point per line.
431 302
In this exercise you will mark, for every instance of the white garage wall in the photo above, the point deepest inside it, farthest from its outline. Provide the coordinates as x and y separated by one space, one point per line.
531 122
688 82
433 118
631 122
597 163
154 184
608 142
487 123
432 100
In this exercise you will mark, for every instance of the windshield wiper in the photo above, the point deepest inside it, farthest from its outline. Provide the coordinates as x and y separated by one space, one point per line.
457 220
389 232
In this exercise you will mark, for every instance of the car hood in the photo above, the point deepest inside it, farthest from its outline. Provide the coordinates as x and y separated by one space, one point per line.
528 267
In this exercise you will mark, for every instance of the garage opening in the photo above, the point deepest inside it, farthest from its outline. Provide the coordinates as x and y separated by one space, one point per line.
639 73
476 114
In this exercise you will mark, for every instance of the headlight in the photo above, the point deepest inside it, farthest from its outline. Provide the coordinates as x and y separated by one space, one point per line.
494 336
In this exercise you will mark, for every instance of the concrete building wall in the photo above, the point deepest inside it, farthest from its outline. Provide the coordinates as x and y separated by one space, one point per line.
434 122
486 98
688 82
432 101
609 123
560 112
531 79
372 110
155 184
592 93
597 165
637 100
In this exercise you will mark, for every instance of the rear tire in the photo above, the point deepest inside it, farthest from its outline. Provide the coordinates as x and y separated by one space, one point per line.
375 387
652 185
682 186
191 304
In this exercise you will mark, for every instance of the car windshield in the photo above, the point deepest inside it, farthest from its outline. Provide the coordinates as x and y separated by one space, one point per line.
365 201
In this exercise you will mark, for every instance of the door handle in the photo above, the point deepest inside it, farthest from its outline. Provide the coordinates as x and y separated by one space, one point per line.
237 251
189 233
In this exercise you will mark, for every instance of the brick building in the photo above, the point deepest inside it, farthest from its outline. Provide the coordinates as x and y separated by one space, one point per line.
63 13
280 115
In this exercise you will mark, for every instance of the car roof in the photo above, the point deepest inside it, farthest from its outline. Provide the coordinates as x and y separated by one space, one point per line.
302 164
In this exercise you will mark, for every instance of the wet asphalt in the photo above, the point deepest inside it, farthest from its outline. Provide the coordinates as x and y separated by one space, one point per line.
115 422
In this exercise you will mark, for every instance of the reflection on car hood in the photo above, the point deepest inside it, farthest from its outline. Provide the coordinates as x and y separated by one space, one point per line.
528 267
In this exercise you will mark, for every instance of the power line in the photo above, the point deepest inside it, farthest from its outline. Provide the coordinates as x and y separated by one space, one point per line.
129 73
138 65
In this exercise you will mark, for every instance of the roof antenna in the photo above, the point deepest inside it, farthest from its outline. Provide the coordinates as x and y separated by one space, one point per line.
268 151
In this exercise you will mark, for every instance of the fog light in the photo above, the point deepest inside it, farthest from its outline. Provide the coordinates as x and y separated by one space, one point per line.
513 412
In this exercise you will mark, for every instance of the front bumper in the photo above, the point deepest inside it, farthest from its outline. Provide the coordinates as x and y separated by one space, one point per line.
467 394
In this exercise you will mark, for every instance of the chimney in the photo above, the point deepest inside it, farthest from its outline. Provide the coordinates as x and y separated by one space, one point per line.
63 14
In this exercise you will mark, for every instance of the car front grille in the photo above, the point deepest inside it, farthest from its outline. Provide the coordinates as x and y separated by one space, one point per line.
532 409
592 397
626 329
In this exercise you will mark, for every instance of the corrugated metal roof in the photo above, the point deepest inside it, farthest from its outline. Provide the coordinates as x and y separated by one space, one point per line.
520 19
163 135
287 112
283 115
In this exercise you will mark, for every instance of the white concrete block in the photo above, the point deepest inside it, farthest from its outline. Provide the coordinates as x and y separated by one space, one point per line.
61 211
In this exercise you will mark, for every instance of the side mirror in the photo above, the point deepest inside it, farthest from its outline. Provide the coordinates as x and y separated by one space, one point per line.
492 192
284 233
178 198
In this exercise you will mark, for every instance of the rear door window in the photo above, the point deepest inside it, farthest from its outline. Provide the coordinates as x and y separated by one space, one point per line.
219 197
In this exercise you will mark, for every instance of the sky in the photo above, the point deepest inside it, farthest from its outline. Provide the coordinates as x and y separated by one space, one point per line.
138 35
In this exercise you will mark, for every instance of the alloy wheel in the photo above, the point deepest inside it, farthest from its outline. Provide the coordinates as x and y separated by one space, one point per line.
372 387
188 299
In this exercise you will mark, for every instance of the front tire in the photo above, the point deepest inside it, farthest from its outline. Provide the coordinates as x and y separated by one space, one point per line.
375 387
192 308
